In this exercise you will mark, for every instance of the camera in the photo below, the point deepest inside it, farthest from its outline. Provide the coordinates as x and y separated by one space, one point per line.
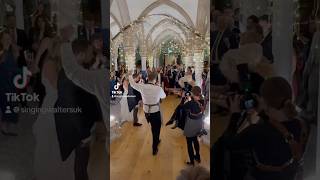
248 100
187 89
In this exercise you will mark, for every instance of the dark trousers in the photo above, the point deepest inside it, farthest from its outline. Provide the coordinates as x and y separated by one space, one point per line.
193 142
155 120
81 162
135 115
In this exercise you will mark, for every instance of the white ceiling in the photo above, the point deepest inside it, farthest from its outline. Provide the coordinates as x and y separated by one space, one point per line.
123 12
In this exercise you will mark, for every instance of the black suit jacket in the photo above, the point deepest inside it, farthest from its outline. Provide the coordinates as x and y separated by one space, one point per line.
24 43
133 101
74 127
267 47
83 33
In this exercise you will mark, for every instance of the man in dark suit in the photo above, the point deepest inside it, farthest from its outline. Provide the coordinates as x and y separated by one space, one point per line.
265 23
74 130
19 37
134 97
86 31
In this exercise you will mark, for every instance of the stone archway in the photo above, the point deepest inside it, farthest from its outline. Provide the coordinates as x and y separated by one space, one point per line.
170 4
159 24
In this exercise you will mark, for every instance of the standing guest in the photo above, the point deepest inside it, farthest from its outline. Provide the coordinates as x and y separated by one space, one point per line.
88 29
40 31
19 37
126 115
265 23
74 131
3 10
151 95
48 163
252 21
194 108
100 59
93 81
223 38
8 69
134 97
40 11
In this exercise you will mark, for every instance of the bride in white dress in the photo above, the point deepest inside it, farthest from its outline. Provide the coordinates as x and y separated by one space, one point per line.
48 164
126 115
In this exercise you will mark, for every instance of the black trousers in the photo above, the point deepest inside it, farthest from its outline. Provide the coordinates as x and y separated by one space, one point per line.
81 162
135 115
193 142
155 120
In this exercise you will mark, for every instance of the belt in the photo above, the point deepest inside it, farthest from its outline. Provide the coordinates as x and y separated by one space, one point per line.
151 105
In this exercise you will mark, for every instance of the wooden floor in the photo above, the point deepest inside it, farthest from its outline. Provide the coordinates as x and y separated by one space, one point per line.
131 155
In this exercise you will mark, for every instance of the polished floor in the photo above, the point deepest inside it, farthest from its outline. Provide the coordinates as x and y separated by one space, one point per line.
131 154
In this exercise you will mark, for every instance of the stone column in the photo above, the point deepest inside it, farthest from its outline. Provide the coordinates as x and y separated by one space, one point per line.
129 50
104 14
282 34
198 62
143 63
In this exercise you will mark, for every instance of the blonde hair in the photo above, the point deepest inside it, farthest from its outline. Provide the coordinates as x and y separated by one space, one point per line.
194 173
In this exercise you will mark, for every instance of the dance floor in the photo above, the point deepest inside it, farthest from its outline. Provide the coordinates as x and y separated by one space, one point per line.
131 154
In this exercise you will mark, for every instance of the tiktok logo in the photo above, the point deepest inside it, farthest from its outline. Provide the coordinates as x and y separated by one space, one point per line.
117 86
20 81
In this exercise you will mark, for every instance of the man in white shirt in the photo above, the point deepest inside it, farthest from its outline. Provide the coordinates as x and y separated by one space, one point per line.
151 95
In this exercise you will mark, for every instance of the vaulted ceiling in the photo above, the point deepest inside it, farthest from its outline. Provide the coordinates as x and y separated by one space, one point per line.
161 16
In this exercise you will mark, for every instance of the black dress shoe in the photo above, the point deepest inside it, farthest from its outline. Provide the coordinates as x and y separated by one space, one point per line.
169 122
198 159
174 127
137 124
155 151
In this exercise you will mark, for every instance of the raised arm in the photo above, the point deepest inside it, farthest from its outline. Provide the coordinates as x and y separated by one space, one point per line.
88 80
134 85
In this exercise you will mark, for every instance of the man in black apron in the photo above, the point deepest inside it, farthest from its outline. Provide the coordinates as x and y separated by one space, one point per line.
151 95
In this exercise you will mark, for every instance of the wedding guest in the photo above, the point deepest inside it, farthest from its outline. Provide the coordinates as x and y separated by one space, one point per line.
252 21
48 163
223 38
40 31
134 97
8 70
194 108
75 130
88 29
3 10
19 37
94 81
